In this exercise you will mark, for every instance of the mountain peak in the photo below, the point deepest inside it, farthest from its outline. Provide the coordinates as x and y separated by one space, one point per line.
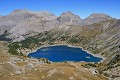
68 17
69 14
19 11
99 15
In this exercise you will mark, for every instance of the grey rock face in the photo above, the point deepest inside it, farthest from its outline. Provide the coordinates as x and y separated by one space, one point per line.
19 16
99 15
96 17
11 20
117 24
23 22
69 17
35 23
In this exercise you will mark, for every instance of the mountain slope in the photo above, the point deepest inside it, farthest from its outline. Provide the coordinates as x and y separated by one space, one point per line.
96 17
19 16
24 23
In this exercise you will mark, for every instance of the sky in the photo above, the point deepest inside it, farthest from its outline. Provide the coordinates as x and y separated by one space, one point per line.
83 8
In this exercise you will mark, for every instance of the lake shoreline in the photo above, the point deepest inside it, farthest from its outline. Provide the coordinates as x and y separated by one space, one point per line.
96 55
69 45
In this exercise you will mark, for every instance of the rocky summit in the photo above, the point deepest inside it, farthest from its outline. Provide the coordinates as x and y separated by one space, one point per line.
69 17
24 31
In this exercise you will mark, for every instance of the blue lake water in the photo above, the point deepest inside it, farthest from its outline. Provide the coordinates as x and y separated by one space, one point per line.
64 53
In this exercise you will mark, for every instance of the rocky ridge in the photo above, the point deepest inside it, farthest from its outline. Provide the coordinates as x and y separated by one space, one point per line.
23 22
